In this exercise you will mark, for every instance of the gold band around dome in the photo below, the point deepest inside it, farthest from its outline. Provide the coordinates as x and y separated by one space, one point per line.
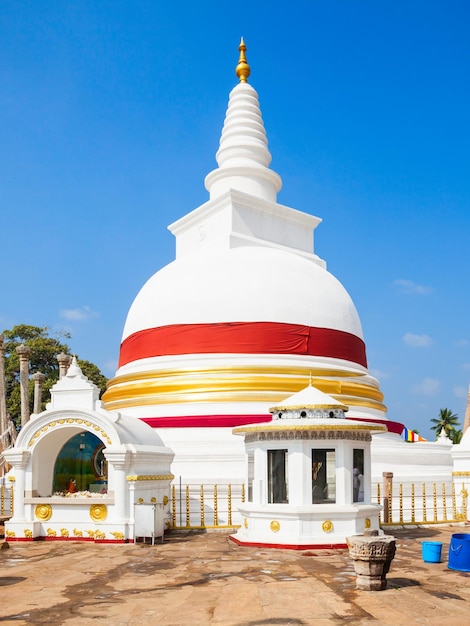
234 384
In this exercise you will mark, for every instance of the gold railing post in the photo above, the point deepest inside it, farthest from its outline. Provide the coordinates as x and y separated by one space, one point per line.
202 506
173 506
444 502
424 503
229 504
464 494
243 492
413 508
188 508
12 500
2 503
401 503
216 513
454 503
434 497
388 489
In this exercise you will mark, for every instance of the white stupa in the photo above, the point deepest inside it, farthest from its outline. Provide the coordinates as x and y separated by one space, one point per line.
243 317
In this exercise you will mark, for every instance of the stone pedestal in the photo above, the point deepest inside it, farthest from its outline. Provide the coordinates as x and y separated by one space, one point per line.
372 555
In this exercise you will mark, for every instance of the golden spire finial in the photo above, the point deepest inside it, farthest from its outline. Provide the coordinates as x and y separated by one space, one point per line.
243 69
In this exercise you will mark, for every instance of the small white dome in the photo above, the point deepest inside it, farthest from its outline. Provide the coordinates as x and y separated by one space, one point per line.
246 284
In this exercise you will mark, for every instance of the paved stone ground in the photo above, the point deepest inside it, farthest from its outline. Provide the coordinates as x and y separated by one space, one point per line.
194 579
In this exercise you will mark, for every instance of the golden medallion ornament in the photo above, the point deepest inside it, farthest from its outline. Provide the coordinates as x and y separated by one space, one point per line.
274 526
98 512
327 526
245 522
367 523
165 500
43 512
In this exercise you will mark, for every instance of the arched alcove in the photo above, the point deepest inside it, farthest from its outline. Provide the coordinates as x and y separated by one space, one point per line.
80 465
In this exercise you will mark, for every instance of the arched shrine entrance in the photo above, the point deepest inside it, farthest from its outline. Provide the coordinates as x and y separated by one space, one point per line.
83 473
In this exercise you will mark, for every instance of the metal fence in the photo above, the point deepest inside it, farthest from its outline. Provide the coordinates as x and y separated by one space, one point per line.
6 500
209 506
422 504
206 506
216 506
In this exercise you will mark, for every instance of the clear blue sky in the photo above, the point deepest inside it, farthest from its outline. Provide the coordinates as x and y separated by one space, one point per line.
111 113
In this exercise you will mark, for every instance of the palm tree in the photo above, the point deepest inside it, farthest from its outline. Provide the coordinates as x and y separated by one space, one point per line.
446 421
456 436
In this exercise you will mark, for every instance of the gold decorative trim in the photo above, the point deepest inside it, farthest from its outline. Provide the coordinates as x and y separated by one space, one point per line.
165 500
460 473
245 522
10 533
140 501
12 479
77 533
99 534
64 532
43 512
327 526
70 420
297 407
274 526
28 533
367 523
273 426
117 534
51 532
98 512
153 500
134 477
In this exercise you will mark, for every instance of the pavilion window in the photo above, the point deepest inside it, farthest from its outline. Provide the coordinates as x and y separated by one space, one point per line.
277 477
358 475
323 476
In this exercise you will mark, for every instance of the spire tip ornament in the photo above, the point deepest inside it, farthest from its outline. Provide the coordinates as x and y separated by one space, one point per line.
243 69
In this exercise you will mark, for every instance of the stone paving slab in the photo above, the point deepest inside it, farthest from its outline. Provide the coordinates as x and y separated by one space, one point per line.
206 579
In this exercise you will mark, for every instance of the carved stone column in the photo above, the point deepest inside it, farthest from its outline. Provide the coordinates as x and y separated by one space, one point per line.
372 556
38 378
3 400
64 362
24 352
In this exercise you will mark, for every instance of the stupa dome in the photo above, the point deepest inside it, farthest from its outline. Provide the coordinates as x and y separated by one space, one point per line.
249 284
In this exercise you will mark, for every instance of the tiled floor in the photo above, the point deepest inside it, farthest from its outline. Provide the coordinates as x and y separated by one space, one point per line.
194 579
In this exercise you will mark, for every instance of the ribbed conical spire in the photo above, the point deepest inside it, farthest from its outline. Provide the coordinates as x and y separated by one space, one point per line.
243 156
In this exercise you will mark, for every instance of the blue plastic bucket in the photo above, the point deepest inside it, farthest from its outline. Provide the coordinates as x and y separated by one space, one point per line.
459 552
431 551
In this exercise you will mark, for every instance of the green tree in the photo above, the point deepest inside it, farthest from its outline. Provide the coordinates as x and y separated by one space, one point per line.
456 436
43 358
446 421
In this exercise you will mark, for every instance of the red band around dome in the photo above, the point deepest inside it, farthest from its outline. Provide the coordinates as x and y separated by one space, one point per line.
242 338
